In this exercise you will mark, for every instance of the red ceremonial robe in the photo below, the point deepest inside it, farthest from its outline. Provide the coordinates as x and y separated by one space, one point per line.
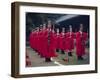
49 44
52 45
33 40
62 41
80 43
44 43
57 39
69 41
39 43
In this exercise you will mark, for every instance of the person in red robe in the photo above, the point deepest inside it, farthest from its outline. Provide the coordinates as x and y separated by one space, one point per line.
57 40
70 41
49 40
31 39
62 41
43 40
52 44
36 42
39 42
81 38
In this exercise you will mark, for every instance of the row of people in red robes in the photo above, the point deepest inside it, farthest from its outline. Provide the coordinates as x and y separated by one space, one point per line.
45 41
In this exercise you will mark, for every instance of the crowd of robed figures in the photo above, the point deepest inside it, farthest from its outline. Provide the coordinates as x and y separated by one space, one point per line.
46 42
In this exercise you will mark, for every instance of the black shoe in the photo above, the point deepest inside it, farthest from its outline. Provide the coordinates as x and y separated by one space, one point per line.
65 60
57 50
62 52
70 54
80 58
48 60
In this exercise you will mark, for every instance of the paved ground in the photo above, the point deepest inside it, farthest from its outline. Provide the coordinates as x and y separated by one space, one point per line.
37 61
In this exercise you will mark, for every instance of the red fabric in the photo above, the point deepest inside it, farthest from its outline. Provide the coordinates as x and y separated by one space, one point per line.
52 45
34 40
37 35
43 43
80 43
39 42
49 44
69 41
62 41
57 39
